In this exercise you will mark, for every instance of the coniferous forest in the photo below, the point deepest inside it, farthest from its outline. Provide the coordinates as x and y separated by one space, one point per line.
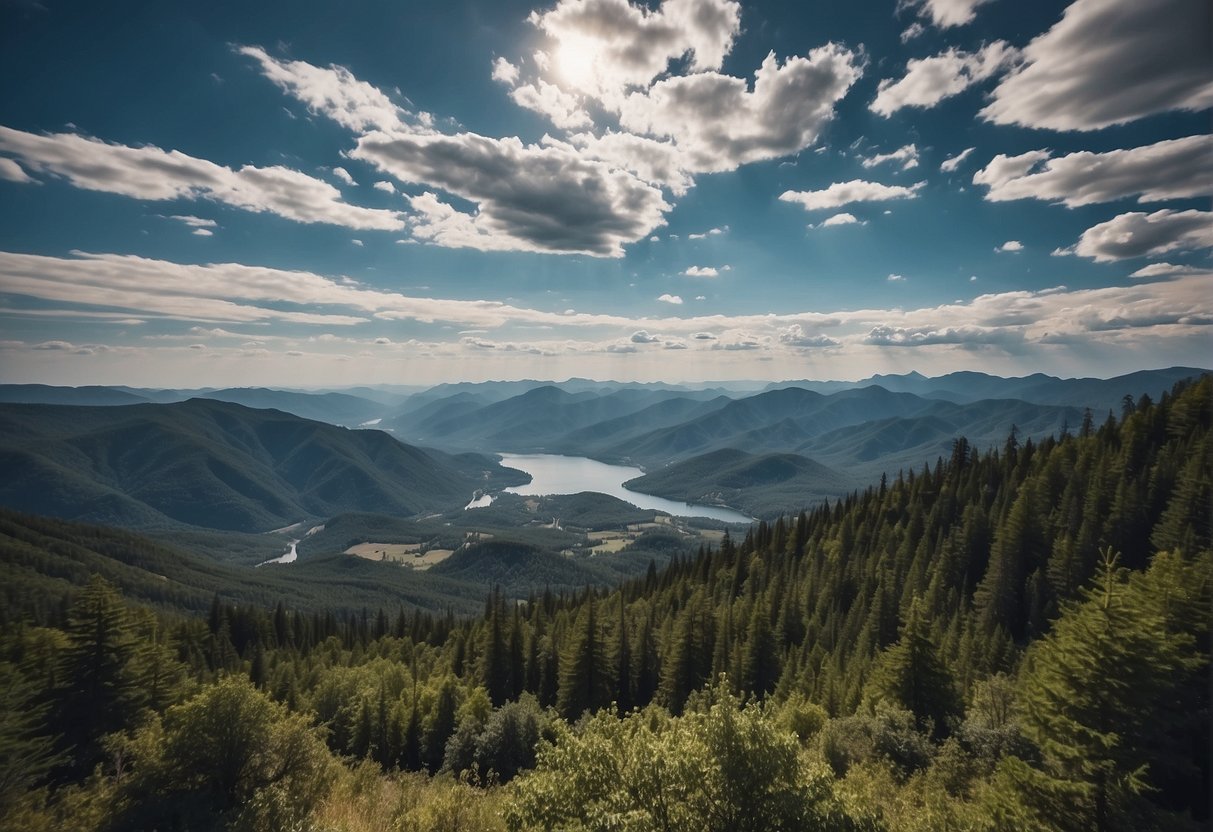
1015 639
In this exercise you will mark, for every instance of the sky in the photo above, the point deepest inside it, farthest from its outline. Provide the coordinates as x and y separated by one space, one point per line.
306 194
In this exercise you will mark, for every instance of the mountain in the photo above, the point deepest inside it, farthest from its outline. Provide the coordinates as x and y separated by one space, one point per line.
48 394
334 408
761 484
219 465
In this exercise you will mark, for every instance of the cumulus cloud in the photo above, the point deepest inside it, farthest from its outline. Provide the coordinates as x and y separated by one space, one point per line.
642 337
505 72
344 176
944 14
602 47
1174 169
151 173
1165 269
896 336
668 298
1137 234
844 193
12 172
528 197
951 163
1109 62
385 186
930 80
795 336
838 219
702 271
906 156
719 123
1010 246
657 162
562 109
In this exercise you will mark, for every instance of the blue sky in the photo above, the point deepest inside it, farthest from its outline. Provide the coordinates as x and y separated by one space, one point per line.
308 195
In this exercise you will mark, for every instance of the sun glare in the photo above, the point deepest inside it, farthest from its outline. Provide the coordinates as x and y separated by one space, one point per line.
575 60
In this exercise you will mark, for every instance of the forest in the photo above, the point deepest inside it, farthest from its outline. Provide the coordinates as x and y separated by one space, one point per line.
1015 639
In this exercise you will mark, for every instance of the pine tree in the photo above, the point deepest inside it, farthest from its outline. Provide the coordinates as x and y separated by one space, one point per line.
760 667
584 669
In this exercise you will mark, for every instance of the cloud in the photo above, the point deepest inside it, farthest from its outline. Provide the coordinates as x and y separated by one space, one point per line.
194 222
838 219
711 232
844 193
527 197
333 92
906 155
951 163
795 336
602 47
912 31
896 278
944 14
702 271
12 172
1174 169
562 109
385 186
668 298
1137 234
150 173
1010 246
202 232
643 337
930 80
1109 62
658 162
344 176
505 72
889 336
1165 269
719 123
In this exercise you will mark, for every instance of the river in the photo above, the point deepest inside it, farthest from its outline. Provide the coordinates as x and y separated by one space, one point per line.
556 474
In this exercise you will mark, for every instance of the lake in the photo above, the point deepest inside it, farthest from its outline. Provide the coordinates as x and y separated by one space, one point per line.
556 474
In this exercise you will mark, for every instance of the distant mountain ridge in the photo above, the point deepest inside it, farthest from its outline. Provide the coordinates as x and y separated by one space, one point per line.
219 465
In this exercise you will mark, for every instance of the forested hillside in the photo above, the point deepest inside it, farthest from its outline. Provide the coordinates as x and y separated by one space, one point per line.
1011 640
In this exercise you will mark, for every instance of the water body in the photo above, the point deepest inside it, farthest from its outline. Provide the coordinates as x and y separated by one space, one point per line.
556 474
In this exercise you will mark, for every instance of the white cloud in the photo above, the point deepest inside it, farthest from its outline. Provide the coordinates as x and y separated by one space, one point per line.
930 80
839 219
505 72
12 172
1010 246
1137 234
912 31
194 222
150 173
344 176
561 108
896 278
944 14
203 232
1165 269
711 232
602 47
951 163
844 193
357 243
796 336
889 336
907 156
642 337
719 123
528 197
702 271
658 162
1109 62
1174 169
385 186
332 91
668 298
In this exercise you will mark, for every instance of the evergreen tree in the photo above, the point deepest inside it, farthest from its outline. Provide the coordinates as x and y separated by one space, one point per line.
910 675
584 669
